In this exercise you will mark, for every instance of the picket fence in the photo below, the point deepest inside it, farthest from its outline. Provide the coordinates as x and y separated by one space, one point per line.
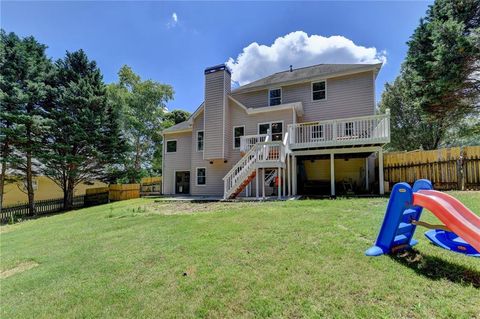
13 213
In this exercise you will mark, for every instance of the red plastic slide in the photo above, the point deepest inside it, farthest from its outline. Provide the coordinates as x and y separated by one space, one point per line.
452 213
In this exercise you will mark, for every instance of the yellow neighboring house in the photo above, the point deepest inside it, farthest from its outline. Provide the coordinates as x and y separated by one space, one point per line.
44 188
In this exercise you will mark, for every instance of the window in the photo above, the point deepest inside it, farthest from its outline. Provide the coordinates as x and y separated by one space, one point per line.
274 97
201 176
349 129
275 128
317 132
238 131
171 146
319 91
199 141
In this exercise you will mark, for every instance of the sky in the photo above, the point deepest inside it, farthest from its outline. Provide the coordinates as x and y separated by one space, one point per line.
173 42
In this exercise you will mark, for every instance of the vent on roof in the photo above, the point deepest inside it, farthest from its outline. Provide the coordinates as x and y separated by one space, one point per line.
291 68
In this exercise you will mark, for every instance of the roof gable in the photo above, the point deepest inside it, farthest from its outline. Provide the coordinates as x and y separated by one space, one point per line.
307 73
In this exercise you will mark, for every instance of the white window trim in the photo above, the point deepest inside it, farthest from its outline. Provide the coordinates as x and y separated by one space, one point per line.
196 176
233 135
196 140
270 124
281 95
166 148
311 90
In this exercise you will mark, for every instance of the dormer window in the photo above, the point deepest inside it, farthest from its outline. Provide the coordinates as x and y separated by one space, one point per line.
275 97
319 91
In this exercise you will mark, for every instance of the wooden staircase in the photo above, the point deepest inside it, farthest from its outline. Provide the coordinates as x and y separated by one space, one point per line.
262 154
244 184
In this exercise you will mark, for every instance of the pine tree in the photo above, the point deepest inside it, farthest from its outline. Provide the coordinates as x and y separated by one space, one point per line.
439 84
24 69
85 135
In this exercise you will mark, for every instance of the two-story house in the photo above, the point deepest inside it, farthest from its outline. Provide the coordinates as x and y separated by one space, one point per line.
310 130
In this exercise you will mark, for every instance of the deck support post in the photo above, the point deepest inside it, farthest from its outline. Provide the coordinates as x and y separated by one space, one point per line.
279 186
284 187
257 191
367 186
332 174
380 172
263 183
287 192
294 177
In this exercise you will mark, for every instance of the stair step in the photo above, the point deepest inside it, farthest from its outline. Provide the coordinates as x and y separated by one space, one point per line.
409 212
401 239
404 228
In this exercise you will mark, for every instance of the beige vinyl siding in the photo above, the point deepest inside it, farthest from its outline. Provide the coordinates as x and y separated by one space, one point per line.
214 115
253 99
214 172
240 117
227 126
347 96
178 161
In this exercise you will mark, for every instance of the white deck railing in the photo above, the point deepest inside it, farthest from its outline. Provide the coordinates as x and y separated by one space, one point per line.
262 152
248 141
351 131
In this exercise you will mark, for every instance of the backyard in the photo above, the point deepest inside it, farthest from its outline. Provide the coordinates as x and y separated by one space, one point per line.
293 259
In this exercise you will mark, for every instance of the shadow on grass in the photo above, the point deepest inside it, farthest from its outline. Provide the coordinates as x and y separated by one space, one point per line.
437 268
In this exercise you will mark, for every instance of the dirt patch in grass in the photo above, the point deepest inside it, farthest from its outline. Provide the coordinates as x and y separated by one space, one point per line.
18 269
176 208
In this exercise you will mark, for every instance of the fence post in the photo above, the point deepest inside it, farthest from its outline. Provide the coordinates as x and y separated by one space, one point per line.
460 171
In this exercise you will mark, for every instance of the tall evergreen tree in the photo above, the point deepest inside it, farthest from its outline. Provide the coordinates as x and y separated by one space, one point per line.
440 76
85 135
24 69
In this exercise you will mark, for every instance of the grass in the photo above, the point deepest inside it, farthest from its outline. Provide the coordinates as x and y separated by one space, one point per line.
290 259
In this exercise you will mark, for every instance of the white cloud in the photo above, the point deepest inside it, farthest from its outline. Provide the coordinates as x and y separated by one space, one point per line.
173 20
298 49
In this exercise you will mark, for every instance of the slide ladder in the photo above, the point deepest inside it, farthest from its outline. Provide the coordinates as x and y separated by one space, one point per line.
404 211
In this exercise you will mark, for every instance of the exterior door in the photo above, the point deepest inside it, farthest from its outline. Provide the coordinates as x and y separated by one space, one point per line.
182 182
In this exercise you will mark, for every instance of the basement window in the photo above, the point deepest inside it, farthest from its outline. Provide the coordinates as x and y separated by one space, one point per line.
201 176
275 97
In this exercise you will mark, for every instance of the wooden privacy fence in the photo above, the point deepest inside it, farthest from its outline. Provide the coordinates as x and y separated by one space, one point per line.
456 168
124 191
151 186
50 206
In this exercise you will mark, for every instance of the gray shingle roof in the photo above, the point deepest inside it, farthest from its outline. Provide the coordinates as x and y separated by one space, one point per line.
185 125
314 71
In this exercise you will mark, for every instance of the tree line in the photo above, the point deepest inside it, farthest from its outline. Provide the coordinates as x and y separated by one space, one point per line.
434 102
59 119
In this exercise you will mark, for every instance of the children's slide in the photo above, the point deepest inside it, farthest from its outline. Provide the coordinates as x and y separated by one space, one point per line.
461 232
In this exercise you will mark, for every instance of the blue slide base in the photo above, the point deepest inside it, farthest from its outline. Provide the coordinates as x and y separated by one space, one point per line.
378 251
450 241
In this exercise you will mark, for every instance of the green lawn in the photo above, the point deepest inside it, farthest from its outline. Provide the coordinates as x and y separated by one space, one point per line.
289 259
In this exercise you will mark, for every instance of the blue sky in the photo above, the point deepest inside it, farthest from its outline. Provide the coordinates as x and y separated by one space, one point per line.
173 42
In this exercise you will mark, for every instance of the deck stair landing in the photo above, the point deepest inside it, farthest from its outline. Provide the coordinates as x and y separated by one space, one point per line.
262 154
